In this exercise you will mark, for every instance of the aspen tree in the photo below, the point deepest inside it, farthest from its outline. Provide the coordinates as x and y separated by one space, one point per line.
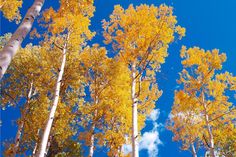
72 25
96 63
55 101
141 35
23 83
40 67
117 119
203 99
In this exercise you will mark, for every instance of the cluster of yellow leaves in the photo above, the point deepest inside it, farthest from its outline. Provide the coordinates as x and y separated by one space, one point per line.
142 33
10 9
203 93
226 142
22 76
72 17
109 108
119 116
37 65
185 119
206 61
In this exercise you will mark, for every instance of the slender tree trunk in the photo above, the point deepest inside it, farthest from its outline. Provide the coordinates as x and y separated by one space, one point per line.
193 150
91 148
36 146
43 145
18 138
11 48
135 148
48 144
118 152
209 130
35 149
211 138
21 126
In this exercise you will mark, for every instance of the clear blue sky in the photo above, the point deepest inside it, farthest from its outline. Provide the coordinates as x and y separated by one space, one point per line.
209 24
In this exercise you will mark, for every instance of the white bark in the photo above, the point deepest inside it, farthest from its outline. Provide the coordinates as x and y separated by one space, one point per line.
35 148
48 145
193 150
209 130
11 48
211 138
43 145
18 137
118 152
135 149
91 148
21 126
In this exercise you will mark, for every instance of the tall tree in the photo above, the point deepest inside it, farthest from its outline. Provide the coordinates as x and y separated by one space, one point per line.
117 119
21 83
13 45
184 122
24 83
55 101
70 24
100 72
203 101
38 65
141 35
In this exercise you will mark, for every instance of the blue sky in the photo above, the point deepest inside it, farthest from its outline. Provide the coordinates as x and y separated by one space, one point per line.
209 24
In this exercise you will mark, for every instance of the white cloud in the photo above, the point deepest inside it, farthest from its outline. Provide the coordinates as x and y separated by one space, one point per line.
149 140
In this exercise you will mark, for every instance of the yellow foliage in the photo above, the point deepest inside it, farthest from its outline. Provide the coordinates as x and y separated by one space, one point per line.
10 9
142 31
109 109
203 93
72 18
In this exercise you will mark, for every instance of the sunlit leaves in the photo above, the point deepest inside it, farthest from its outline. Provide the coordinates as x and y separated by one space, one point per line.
10 9
138 30
72 17
204 92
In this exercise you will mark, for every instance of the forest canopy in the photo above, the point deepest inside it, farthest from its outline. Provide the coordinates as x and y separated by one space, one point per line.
81 80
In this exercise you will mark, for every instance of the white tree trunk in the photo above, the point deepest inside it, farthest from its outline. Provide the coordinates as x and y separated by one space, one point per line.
36 146
21 126
209 130
35 149
11 48
43 146
211 138
193 150
135 149
48 145
118 152
18 137
91 148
